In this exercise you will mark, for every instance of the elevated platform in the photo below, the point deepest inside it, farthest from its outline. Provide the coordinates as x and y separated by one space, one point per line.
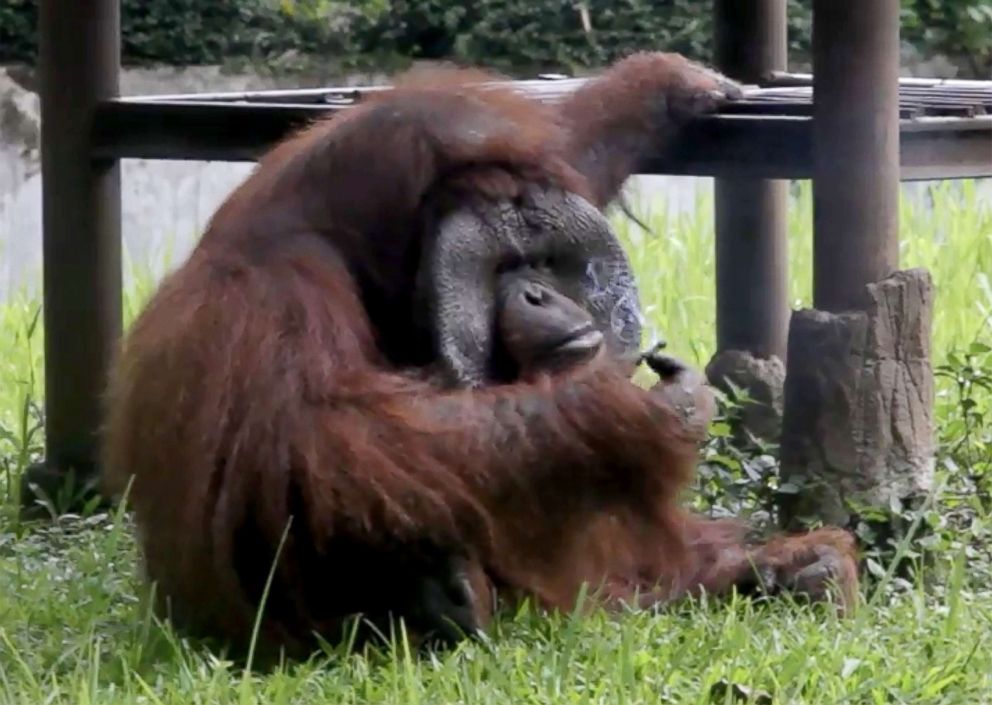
945 127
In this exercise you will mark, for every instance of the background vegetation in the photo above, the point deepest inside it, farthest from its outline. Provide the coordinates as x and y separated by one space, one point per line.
526 34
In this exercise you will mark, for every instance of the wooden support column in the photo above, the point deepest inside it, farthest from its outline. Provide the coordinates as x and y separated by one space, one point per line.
752 306
79 67
856 149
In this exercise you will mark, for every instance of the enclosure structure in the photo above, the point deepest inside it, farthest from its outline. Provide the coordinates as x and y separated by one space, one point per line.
864 132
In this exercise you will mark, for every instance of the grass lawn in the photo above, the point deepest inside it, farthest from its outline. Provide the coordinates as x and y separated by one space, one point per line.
74 626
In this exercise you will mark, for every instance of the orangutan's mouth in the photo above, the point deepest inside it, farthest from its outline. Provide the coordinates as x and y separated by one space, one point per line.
580 342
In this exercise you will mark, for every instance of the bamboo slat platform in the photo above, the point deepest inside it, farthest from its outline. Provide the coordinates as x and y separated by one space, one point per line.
945 126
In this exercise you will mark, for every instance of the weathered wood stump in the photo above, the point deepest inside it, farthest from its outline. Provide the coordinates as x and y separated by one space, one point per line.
858 421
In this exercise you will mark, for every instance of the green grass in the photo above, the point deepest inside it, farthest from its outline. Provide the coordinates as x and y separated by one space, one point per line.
71 632
74 627
953 239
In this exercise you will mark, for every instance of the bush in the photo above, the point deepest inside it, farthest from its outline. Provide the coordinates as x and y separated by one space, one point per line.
557 34
571 34
18 22
529 34
549 34
187 32
552 34
961 29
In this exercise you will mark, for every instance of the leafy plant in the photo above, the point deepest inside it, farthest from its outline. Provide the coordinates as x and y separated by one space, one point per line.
739 473
185 32
511 34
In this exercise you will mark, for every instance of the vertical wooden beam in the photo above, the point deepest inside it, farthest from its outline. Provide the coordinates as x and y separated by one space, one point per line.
752 307
856 149
79 65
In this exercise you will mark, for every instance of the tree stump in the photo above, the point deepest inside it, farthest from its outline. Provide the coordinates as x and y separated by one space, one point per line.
858 420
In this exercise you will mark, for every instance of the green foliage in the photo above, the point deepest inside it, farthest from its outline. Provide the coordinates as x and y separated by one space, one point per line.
549 34
961 29
185 32
193 32
738 473
18 29
512 34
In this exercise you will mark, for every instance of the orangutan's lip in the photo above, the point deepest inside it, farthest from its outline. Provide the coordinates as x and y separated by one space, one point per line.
583 338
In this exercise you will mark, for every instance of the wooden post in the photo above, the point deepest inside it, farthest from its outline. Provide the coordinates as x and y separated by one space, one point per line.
79 67
856 149
752 307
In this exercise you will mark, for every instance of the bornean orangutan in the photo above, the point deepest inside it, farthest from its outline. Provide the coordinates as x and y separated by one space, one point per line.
400 359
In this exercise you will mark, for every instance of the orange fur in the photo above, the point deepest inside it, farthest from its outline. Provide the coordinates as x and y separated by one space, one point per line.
266 380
